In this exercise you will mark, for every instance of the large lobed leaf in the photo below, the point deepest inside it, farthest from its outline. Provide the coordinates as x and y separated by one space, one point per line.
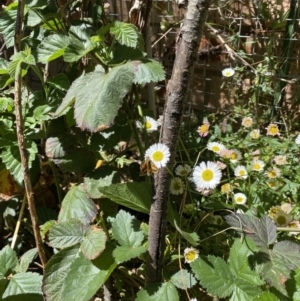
183 279
77 205
136 196
166 292
261 231
8 23
8 261
98 96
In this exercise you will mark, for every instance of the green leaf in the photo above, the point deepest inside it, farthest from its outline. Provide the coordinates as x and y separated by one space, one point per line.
56 271
166 292
101 177
3 65
266 296
57 147
26 260
51 48
93 243
215 275
127 34
22 57
8 23
12 159
59 81
239 263
101 96
77 205
191 237
82 282
125 229
6 104
146 71
261 231
183 279
124 253
67 234
288 253
24 283
8 261
136 196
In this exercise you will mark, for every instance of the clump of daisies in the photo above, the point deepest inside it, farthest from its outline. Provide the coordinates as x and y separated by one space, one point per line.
149 124
190 254
159 154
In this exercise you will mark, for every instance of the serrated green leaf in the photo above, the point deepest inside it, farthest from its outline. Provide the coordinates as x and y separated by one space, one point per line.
93 243
101 177
8 23
127 34
101 97
243 290
3 66
136 196
125 230
59 81
77 205
215 275
51 48
183 279
266 296
33 18
57 147
67 234
56 271
239 263
12 159
82 282
8 261
261 231
166 292
24 283
125 253
26 260
146 71
288 253
45 228
6 104
191 237
19 59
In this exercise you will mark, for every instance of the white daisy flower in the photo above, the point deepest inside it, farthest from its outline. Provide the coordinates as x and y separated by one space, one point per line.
150 124
177 186
282 219
294 225
297 140
207 175
241 172
280 160
193 299
225 153
272 129
240 198
255 134
273 183
183 170
247 122
221 165
215 147
190 254
273 172
257 165
235 156
159 154
286 207
228 72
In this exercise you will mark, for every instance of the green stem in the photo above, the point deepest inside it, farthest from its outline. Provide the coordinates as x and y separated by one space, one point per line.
185 150
58 188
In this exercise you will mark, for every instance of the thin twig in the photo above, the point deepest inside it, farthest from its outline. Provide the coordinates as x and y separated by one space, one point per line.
15 236
21 140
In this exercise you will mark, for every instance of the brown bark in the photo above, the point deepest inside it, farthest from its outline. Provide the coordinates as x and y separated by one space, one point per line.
177 91
21 141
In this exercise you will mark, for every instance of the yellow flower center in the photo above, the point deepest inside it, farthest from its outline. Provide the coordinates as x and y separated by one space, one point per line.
183 172
281 220
256 166
207 175
158 156
191 255
148 125
255 135
228 73
215 149
242 172
177 186
273 130
239 199
203 128
272 174
233 156
271 184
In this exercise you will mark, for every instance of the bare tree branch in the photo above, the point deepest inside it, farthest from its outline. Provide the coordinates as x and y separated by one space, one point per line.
21 141
177 91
